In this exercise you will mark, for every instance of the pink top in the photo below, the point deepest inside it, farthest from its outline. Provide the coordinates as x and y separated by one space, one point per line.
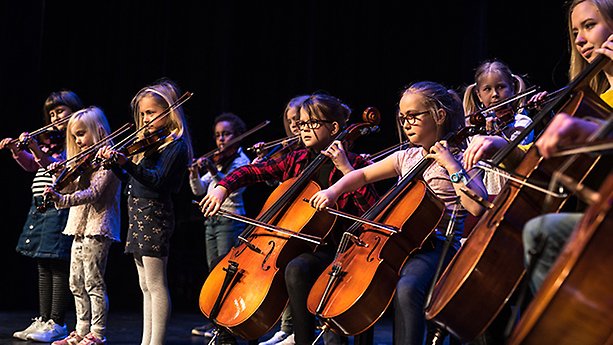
437 178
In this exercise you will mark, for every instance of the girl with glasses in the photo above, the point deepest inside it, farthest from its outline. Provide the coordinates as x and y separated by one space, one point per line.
322 117
427 113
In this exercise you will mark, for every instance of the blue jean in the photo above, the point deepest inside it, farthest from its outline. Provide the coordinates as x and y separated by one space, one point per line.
411 291
220 234
556 228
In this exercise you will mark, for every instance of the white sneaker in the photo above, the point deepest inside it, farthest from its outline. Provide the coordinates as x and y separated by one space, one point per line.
288 341
276 338
37 325
49 332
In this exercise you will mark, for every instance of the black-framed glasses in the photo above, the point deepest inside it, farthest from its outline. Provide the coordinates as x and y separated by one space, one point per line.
410 118
311 124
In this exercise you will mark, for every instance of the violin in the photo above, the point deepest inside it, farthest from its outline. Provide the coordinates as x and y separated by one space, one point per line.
83 163
503 112
245 292
49 137
132 144
221 155
276 148
81 167
479 266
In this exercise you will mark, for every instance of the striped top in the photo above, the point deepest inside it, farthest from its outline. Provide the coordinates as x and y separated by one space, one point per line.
41 180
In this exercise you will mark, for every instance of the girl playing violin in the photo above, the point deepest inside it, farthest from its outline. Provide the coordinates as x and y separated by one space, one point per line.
290 117
494 83
153 177
220 233
41 237
427 112
93 199
322 117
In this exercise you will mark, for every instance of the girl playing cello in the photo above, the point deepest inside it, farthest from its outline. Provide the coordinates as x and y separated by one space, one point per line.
427 112
322 117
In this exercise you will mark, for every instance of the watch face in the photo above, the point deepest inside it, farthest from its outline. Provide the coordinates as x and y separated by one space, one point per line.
455 178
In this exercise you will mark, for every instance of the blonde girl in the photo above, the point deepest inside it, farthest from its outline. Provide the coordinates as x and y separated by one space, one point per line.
93 220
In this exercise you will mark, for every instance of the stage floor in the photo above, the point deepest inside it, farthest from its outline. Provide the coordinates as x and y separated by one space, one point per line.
125 328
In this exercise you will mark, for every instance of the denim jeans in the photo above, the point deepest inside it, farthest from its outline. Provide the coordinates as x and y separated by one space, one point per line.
411 290
555 228
220 235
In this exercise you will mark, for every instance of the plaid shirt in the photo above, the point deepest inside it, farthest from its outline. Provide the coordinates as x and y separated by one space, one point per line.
291 165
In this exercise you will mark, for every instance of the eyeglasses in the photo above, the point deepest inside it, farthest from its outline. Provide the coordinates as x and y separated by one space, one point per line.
410 118
311 124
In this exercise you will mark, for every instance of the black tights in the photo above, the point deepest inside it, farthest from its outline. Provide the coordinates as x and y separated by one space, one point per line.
300 275
53 291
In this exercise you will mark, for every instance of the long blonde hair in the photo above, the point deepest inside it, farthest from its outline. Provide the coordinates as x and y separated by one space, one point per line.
165 93
471 99
599 83
96 123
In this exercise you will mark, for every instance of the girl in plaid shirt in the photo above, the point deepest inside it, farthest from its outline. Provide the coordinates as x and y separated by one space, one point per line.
322 117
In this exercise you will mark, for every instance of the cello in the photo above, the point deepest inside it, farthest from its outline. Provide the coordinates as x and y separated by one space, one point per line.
490 265
245 292
358 286
574 304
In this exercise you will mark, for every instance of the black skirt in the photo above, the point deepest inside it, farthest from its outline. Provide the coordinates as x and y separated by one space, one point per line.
151 225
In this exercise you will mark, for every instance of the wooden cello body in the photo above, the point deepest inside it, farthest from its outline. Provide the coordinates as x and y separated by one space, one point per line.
369 270
575 303
255 297
490 265
245 292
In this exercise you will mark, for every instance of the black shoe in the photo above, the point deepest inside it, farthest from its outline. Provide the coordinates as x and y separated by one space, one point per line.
224 338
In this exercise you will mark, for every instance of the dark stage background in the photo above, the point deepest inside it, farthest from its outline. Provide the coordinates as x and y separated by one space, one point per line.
249 58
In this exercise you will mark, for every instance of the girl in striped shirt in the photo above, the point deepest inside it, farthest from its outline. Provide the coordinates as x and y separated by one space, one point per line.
41 237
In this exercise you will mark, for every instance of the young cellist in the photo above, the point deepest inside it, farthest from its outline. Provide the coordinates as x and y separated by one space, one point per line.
427 112
322 118
590 28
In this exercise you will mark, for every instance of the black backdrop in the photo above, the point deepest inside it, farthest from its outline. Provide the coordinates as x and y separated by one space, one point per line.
249 58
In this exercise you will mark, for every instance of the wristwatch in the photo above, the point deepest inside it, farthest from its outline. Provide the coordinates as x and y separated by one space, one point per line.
460 176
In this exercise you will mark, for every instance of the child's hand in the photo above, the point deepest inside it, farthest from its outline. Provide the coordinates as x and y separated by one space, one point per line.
194 169
337 154
441 154
210 204
54 167
51 194
26 138
606 48
209 165
109 154
322 199
564 130
8 143
482 147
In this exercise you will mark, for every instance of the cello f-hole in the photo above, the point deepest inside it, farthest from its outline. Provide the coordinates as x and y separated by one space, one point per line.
266 267
370 257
